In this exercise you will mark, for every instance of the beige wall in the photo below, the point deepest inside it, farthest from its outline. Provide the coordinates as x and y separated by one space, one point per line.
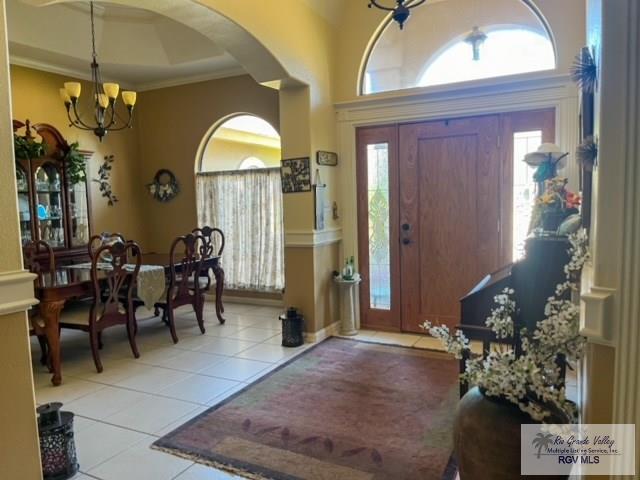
19 449
172 123
227 155
34 96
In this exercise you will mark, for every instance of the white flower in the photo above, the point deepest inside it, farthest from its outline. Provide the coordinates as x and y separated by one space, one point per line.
533 380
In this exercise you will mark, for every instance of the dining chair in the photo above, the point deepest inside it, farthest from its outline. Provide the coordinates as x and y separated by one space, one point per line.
40 259
112 302
207 247
97 241
185 286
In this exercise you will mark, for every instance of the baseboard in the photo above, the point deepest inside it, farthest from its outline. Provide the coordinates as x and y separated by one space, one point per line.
263 302
328 331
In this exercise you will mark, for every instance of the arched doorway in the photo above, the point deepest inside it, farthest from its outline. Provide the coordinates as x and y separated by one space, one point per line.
238 190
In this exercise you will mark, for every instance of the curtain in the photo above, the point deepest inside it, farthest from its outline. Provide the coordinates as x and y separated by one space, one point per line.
247 206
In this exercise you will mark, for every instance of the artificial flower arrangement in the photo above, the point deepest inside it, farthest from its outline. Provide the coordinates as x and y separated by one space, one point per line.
164 186
554 205
531 376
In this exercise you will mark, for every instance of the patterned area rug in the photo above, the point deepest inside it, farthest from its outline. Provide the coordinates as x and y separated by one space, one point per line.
342 410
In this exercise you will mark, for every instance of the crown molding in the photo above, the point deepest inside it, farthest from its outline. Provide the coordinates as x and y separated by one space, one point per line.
16 292
312 238
175 82
64 71
139 87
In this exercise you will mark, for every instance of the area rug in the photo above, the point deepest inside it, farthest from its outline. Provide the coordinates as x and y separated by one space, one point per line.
342 410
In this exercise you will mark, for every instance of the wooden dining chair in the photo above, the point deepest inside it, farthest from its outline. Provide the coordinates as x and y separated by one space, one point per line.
207 247
40 259
185 286
97 241
113 304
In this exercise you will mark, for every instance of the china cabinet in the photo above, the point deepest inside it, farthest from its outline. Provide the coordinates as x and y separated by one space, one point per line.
52 207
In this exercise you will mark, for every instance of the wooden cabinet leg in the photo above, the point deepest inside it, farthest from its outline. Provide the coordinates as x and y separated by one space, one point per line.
218 273
50 311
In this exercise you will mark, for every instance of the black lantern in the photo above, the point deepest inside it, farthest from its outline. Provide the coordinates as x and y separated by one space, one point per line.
292 328
57 447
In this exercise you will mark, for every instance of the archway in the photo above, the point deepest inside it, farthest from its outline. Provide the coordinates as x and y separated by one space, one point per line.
238 190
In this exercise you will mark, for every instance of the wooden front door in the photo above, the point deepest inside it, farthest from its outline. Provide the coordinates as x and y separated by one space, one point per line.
435 212
450 210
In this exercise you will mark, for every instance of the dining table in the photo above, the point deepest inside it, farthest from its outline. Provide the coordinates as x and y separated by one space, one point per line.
73 281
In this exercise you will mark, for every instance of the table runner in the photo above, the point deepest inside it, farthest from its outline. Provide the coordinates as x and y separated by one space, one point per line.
150 284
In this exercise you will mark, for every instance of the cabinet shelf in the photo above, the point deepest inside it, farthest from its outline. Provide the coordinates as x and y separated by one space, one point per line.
47 204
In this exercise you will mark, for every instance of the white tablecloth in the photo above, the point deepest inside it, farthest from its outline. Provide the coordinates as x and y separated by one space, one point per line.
150 284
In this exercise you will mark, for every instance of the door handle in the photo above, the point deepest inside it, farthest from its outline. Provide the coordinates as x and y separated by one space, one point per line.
406 227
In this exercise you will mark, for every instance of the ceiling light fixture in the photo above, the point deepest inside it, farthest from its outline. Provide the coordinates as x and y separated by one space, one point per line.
104 98
476 38
400 13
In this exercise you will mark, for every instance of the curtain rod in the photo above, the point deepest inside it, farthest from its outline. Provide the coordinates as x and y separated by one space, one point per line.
238 172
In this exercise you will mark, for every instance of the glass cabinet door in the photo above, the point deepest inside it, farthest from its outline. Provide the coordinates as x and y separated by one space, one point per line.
24 210
79 214
49 207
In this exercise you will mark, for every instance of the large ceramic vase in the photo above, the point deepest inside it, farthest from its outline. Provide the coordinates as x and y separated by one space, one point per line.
487 438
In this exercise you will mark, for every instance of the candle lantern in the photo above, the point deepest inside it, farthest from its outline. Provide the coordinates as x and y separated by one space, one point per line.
292 328
57 446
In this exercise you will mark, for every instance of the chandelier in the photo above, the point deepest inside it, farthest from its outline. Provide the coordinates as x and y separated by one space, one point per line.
105 116
400 13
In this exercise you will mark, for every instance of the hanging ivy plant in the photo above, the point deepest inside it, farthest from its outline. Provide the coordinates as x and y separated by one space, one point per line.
76 164
27 148
104 180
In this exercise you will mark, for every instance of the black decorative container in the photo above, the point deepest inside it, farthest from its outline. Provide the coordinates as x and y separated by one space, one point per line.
292 328
57 446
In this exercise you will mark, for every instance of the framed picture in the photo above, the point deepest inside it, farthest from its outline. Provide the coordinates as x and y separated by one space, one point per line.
296 175
327 158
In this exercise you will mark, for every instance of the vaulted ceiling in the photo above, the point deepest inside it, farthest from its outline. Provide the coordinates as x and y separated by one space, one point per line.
139 48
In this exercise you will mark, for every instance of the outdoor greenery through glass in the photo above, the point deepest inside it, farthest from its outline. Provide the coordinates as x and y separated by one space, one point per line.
378 208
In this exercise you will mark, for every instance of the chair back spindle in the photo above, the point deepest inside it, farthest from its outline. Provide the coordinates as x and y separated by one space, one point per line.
118 280
40 259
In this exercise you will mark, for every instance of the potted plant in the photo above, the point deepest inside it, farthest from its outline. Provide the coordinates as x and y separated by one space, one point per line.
76 164
554 205
518 383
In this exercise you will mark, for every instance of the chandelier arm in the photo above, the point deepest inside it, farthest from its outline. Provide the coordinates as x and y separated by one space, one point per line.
374 3
112 120
78 121
125 125
76 124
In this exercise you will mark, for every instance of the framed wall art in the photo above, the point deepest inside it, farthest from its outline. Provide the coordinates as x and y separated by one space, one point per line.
326 158
296 175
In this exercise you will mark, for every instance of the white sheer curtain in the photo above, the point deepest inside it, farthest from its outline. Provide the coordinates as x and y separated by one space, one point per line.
247 206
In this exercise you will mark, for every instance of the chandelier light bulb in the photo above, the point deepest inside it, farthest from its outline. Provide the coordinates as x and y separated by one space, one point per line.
73 89
129 98
64 95
102 100
111 89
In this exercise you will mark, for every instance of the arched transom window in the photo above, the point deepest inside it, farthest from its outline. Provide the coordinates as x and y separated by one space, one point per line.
435 46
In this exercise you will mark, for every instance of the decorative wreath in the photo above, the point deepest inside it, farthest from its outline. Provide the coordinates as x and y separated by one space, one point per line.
164 186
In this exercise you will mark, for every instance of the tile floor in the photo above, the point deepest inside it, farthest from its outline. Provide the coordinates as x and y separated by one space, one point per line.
122 411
